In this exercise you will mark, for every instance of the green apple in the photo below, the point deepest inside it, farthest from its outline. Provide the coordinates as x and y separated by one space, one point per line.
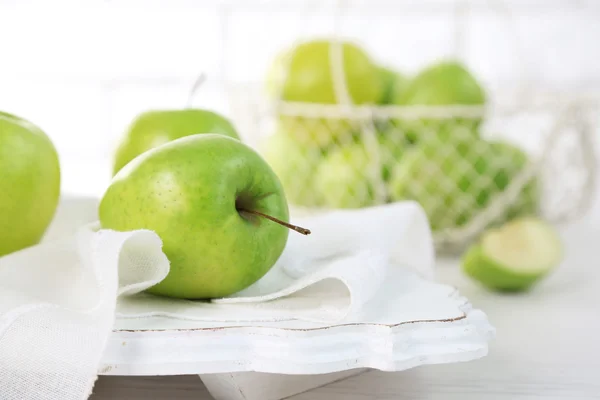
416 130
394 83
444 83
153 128
209 197
430 173
495 165
295 164
514 256
30 183
391 150
349 176
455 179
304 74
276 74
511 161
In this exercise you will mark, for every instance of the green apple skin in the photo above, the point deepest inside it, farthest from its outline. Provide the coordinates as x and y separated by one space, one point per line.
455 180
30 184
515 255
348 175
303 74
502 162
189 191
318 133
394 84
153 128
512 161
276 74
343 179
429 176
444 83
494 276
295 165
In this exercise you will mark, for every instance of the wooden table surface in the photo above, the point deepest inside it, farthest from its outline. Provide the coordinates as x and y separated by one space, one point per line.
547 346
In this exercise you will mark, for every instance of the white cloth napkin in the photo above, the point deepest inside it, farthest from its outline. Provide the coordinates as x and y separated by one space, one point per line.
59 300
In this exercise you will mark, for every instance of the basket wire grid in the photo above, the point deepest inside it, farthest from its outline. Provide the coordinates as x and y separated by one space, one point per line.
347 154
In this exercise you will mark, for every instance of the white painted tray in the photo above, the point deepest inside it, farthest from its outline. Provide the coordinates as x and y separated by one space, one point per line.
271 361
442 329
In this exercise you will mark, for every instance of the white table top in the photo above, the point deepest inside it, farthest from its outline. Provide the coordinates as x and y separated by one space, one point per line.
546 346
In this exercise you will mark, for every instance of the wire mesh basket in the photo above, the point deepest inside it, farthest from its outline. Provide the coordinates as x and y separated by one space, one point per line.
342 131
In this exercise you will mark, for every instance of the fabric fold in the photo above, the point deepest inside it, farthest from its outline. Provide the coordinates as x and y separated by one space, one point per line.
59 299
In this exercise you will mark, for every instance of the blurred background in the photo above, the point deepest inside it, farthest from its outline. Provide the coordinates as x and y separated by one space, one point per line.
82 70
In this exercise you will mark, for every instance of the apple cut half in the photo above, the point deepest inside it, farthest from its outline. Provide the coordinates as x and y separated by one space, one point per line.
514 256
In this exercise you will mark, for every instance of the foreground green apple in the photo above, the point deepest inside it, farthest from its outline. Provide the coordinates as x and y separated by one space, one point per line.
295 165
445 83
303 74
349 176
514 256
209 197
153 128
29 183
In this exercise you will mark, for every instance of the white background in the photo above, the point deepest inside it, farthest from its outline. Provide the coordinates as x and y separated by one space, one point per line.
83 69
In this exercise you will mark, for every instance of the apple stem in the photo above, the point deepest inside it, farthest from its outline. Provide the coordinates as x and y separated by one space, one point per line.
197 83
296 228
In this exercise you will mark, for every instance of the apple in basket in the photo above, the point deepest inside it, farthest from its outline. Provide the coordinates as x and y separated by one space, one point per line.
345 176
356 174
153 128
445 83
218 207
295 165
303 74
454 180
29 183
394 84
